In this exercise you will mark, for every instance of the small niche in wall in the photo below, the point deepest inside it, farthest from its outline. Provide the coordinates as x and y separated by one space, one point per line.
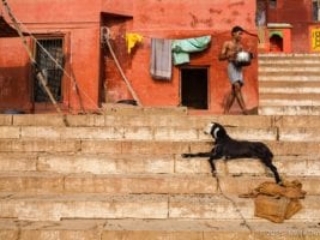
273 3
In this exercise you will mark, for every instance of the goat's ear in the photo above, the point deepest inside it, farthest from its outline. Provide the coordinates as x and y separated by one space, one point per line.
216 133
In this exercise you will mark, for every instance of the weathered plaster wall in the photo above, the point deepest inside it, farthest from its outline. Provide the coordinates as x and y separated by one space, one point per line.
122 7
79 22
299 14
182 19
14 69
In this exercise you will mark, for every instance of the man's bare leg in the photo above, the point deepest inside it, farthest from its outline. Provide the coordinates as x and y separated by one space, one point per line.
229 102
239 97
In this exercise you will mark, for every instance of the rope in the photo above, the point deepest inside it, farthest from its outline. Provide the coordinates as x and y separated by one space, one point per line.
39 74
234 204
75 84
107 37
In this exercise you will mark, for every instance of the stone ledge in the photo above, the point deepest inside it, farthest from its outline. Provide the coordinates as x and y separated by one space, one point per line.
55 207
134 229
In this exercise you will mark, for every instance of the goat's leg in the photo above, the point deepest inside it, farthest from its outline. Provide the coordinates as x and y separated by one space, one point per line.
200 154
213 166
274 171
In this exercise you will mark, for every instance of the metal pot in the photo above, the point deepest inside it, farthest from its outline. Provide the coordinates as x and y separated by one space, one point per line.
243 58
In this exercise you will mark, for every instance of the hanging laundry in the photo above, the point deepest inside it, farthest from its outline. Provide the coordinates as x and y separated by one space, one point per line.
132 39
161 59
182 48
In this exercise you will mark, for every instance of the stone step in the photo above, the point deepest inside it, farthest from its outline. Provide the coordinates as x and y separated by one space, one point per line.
292 57
112 184
289 99
127 109
283 87
289 110
137 120
108 164
266 62
11 136
289 76
55 207
283 68
126 133
234 182
148 229
142 147
187 121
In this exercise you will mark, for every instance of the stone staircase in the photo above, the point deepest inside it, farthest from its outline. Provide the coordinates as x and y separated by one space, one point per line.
120 176
289 84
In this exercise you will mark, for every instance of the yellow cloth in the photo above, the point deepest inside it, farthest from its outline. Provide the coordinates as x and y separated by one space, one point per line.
132 39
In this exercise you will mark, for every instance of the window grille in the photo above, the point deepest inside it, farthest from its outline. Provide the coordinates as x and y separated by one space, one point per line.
50 67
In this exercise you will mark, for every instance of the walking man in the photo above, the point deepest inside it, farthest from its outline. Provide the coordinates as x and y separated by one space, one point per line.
229 52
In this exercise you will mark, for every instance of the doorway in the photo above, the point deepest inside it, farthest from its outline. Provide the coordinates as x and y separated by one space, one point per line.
194 87
49 56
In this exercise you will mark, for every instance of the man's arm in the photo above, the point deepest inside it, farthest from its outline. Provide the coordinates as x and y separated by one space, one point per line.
223 54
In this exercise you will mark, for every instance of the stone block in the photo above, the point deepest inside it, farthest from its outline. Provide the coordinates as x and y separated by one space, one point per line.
105 164
55 207
11 162
38 120
175 134
9 132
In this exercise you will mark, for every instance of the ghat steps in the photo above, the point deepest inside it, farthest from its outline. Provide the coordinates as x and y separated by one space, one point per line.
121 176
289 84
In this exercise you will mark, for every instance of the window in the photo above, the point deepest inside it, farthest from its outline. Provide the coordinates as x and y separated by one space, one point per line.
49 55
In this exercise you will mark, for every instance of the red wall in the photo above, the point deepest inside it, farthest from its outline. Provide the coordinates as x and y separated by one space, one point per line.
14 70
122 7
80 20
183 19
298 13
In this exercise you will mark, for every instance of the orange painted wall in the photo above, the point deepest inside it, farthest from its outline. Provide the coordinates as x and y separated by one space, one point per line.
122 7
14 70
182 19
298 13
80 20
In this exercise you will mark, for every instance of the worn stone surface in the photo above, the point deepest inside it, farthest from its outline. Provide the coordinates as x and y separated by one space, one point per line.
155 229
111 176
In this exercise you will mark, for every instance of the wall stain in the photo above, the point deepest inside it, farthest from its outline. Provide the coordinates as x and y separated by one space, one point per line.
195 21
236 4
235 13
215 11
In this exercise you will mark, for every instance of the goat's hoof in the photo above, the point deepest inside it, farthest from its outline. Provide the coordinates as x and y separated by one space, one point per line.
280 183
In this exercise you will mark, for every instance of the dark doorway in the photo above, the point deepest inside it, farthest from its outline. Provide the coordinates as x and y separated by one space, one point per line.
194 87
49 57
